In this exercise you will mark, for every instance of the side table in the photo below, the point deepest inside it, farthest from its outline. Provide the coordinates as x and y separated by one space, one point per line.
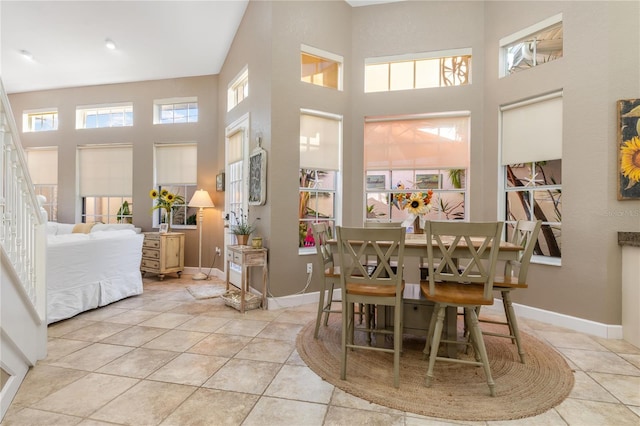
163 253
246 257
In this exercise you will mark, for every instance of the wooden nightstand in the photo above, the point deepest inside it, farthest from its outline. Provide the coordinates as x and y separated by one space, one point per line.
162 253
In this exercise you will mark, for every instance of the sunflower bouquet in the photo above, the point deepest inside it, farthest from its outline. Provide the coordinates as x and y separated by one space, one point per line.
165 200
418 204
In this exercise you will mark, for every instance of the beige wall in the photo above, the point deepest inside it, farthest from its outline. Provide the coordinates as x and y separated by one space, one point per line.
601 65
142 135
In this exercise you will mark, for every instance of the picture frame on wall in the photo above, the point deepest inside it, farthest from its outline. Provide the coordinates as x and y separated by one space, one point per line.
220 182
628 147
258 177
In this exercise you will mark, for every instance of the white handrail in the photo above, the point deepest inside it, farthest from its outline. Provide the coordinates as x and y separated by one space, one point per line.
21 221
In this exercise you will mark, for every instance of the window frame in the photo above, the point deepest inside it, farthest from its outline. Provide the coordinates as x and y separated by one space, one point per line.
158 105
30 116
327 56
84 111
238 89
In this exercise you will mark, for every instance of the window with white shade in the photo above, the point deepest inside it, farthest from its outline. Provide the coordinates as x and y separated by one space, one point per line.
176 171
411 154
43 169
531 158
105 181
320 155
41 120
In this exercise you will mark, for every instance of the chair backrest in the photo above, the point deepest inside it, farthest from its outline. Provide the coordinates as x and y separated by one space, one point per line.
355 244
525 234
463 252
370 224
322 235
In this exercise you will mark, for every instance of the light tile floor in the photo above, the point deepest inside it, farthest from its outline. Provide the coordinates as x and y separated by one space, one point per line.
164 358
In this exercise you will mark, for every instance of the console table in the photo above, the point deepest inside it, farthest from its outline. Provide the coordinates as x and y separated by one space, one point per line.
246 257
163 253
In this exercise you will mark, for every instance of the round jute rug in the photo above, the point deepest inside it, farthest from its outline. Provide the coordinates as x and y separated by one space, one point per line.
458 391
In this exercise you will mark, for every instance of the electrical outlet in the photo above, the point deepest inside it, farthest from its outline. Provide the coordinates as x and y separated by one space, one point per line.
218 251
309 268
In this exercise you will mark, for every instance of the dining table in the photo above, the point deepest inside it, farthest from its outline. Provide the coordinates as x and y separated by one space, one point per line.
416 308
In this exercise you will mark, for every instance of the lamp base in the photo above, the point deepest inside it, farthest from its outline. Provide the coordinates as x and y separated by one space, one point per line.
199 276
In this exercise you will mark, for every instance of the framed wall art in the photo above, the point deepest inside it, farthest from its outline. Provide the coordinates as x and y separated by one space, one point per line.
220 182
258 177
628 146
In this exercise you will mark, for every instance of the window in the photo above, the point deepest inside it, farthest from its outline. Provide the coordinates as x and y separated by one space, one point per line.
40 120
238 89
176 170
177 110
418 71
532 168
43 169
93 117
321 68
532 46
416 154
320 147
105 176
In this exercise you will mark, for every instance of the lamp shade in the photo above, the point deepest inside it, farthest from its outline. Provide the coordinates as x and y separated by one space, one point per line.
201 199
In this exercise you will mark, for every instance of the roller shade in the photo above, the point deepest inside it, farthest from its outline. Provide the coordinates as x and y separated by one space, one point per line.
105 171
235 147
43 166
319 142
420 143
532 130
176 164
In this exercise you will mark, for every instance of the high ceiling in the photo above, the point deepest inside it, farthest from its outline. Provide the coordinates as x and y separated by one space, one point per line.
153 39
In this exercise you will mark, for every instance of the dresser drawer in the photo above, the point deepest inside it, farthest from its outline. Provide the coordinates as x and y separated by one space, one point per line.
151 264
151 243
254 259
150 253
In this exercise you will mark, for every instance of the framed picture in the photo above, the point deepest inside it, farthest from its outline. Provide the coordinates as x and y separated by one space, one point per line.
375 182
164 227
628 146
220 182
258 177
427 181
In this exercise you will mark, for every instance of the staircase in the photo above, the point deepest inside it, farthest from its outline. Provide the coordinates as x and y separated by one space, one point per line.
23 325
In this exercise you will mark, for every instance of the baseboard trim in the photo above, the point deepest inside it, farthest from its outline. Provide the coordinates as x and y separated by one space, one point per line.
606 331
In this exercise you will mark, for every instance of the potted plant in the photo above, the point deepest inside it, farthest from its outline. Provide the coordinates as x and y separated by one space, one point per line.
242 228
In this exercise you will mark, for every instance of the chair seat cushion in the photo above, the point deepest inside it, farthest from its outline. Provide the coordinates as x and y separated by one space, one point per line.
455 293
510 282
372 290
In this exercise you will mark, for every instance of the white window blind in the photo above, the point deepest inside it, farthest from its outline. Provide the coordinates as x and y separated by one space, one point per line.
532 130
420 143
43 165
234 148
319 142
105 171
176 164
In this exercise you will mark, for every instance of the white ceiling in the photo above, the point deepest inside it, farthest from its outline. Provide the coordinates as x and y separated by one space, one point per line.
154 40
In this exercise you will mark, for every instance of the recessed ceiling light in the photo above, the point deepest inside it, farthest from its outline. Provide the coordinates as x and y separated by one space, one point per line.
26 54
111 45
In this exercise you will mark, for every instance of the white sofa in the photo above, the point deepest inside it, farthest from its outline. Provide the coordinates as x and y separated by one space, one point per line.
89 270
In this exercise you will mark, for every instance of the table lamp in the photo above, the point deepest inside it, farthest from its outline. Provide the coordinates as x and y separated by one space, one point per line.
201 200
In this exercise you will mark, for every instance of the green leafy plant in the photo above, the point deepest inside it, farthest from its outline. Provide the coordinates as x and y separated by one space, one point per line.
242 226
124 213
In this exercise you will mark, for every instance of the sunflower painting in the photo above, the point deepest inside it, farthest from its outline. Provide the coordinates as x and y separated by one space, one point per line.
629 149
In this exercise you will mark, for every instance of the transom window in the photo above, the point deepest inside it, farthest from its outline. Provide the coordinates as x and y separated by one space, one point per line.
405 155
177 110
533 46
320 147
238 89
418 71
321 68
93 117
40 120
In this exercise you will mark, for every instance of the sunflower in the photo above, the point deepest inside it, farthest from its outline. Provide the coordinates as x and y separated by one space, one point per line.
416 204
153 193
630 160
